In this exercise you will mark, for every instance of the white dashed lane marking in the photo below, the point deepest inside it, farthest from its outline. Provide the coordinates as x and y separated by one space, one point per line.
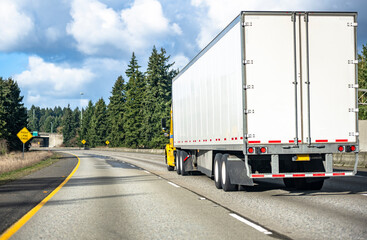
251 224
174 184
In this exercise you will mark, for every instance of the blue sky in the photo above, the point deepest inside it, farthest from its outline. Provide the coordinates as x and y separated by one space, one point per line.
56 49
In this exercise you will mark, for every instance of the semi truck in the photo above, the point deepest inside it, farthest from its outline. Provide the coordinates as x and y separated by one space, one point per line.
274 95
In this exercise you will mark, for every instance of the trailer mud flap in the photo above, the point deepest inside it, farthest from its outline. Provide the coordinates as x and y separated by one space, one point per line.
187 160
238 172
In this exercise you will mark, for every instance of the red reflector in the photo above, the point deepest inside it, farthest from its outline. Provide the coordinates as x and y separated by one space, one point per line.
275 141
263 150
321 140
341 140
253 141
250 150
339 174
318 174
340 148
299 175
278 175
352 148
257 175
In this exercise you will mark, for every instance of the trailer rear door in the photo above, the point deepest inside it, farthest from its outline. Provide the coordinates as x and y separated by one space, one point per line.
332 90
269 78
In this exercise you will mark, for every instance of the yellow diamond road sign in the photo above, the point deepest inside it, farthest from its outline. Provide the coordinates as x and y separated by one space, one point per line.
83 141
24 135
107 142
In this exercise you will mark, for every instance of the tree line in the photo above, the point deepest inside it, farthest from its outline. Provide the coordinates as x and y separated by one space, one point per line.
131 119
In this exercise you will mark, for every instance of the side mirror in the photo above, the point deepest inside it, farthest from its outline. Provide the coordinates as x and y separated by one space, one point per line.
163 124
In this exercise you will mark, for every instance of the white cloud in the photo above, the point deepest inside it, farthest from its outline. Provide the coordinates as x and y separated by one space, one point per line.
180 61
52 34
95 25
15 25
49 79
215 15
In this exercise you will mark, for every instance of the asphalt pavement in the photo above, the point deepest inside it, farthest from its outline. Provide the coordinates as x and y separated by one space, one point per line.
119 195
20 196
108 199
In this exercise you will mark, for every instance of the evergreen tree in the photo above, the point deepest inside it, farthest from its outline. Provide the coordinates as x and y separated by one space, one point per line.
362 80
116 113
158 97
67 126
133 117
87 116
98 124
13 114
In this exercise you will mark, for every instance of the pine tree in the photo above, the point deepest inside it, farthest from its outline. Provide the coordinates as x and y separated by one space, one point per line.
133 117
98 125
116 109
158 97
67 125
362 80
13 114
85 128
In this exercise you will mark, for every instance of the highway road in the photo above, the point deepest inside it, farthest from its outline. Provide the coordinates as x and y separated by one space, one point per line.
119 195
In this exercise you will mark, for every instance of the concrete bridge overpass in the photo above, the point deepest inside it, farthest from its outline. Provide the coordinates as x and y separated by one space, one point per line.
47 140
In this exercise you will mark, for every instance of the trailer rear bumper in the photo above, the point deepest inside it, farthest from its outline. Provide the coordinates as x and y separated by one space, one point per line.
302 175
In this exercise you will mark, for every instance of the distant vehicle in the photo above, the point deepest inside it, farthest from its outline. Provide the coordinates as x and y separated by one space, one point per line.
274 95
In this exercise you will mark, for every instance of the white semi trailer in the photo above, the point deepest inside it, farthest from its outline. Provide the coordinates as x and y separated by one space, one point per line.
274 95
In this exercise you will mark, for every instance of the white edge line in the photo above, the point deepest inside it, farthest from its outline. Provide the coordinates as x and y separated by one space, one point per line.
146 171
364 194
174 184
251 224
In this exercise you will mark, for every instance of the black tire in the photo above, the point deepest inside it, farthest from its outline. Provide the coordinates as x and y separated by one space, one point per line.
182 163
302 184
225 179
289 182
217 170
178 156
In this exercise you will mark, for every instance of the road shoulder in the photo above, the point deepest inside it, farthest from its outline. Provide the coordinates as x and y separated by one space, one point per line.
20 196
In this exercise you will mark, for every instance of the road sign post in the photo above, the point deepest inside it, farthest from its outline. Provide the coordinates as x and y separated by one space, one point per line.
24 135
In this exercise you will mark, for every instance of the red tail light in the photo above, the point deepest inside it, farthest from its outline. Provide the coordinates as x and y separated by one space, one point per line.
250 150
340 148
263 150
352 148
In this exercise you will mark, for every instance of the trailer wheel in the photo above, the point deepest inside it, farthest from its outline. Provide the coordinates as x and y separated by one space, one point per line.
289 182
226 183
182 166
217 170
302 184
178 156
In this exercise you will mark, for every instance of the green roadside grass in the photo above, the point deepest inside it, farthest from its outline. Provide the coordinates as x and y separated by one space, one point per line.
22 172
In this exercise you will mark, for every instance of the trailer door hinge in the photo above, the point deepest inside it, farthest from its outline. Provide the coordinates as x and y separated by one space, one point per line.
249 135
353 110
247 111
352 134
353 61
248 87
352 24
248 62
353 85
247 24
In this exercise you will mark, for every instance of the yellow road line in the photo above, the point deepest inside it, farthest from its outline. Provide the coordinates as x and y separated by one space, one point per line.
16 226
